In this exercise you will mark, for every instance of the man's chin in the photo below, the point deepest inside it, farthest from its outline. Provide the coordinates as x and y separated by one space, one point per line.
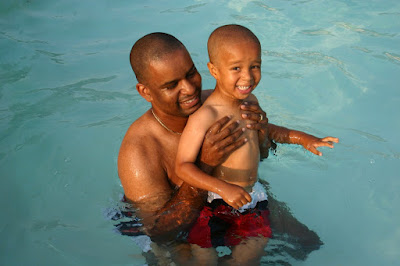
188 111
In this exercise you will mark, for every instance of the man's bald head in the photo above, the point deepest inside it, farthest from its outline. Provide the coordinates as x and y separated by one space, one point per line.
151 47
227 35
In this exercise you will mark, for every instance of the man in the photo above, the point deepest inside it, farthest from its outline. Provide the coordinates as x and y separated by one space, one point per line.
168 79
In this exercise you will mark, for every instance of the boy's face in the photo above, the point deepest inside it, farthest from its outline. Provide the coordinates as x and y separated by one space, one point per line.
238 68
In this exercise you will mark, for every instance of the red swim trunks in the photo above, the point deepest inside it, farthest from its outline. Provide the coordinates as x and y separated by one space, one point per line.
221 225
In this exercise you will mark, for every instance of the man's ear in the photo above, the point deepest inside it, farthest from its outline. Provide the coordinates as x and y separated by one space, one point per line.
144 92
213 69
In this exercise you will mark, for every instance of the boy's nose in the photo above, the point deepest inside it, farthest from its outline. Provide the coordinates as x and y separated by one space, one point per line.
247 75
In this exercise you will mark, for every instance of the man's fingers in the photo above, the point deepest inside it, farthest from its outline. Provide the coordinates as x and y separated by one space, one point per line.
250 106
216 127
226 136
219 135
255 116
231 143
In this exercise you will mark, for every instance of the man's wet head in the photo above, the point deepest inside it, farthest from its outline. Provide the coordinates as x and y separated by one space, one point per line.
166 74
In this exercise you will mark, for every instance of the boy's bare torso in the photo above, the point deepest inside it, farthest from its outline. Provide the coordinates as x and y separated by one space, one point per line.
241 166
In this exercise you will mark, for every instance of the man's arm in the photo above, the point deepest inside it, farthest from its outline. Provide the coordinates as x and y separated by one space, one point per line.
164 212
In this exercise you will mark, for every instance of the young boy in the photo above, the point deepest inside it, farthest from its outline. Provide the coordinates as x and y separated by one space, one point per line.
235 62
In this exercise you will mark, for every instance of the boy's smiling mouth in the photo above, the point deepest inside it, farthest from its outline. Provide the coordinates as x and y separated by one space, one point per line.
244 89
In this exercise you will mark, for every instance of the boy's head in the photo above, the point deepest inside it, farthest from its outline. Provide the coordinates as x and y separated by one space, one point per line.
235 59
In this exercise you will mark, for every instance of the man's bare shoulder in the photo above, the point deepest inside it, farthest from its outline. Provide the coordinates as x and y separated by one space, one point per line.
140 138
140 164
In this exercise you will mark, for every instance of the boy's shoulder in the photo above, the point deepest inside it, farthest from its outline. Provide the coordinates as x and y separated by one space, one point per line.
206 111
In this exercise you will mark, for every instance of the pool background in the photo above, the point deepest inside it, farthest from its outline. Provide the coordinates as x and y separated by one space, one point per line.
67 97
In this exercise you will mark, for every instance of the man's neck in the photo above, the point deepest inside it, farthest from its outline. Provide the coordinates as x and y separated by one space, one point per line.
173 124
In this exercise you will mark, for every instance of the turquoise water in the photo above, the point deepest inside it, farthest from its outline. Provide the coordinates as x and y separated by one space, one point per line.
67 97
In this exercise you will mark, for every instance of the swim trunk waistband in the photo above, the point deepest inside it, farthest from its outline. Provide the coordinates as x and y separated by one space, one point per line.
257 194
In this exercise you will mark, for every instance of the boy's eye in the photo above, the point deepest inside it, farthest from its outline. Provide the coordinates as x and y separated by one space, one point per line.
236 68
256 67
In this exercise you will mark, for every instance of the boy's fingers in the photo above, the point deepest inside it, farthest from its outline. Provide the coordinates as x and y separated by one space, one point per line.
248 197
315 151
330 139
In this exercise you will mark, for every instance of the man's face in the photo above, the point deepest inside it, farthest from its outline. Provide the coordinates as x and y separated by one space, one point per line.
174 84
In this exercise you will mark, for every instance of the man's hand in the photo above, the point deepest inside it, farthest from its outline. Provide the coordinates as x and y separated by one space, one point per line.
252 111
219 144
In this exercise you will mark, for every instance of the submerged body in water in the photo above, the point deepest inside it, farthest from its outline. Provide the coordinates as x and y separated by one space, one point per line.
290 239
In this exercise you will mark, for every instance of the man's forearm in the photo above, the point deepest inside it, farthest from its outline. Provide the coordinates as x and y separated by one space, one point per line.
181 211
178 214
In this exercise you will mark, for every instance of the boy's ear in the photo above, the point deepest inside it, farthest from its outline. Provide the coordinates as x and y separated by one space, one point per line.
144 92
213 70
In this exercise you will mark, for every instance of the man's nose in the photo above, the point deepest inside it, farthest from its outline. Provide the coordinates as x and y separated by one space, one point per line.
187 87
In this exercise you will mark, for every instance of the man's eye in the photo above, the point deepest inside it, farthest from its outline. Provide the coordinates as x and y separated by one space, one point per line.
172 86
192 73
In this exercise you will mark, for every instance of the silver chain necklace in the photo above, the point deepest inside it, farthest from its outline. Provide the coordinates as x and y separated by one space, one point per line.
163 125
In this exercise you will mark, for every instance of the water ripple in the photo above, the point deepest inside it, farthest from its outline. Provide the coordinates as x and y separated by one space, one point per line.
364 31
53 56
317 32
6 35
10 74
188 9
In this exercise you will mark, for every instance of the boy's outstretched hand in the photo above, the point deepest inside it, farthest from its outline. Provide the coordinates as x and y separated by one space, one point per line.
311 143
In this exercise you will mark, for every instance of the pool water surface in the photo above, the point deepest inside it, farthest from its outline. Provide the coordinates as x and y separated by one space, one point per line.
67 96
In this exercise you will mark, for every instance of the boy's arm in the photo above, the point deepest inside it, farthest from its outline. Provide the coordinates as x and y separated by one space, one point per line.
309 142
188 150
268 132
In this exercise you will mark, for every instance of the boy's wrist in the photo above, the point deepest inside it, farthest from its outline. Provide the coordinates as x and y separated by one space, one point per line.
300 138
